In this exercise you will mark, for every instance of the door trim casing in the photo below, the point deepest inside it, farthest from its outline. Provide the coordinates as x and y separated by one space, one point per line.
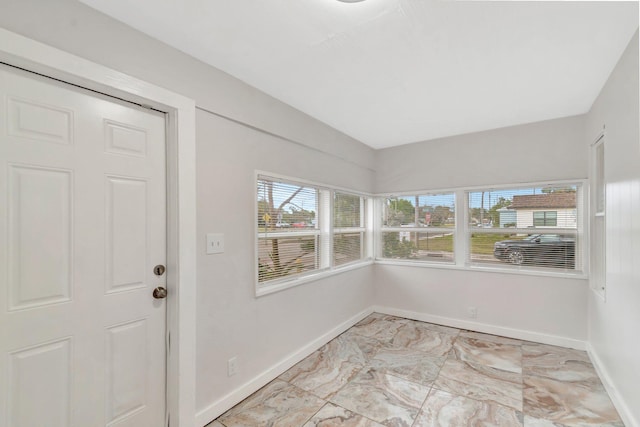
31 55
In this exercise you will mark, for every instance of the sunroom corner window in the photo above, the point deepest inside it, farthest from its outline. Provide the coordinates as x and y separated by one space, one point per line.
306 229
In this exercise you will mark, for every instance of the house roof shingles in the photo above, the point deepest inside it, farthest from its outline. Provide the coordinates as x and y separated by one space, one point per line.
550 200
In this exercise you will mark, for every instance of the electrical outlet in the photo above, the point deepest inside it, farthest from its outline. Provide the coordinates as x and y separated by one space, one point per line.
215 243
472 312
232 366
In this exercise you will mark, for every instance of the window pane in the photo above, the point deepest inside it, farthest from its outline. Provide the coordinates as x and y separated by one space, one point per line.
599 178
286 206
524 208
347 210
419 246
529 250
429 210
282 257
545 218
399 211
287 214
347 248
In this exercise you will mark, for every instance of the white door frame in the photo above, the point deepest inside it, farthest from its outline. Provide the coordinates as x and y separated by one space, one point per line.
34 56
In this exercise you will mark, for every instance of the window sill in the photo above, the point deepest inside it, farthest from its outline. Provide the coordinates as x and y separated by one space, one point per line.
281 286
480 268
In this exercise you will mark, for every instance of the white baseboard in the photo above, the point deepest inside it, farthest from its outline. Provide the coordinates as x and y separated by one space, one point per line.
486 328
622 407
227 402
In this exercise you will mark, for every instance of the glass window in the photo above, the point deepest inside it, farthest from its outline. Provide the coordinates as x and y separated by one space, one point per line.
348 228
288 233
545 219
533 228
305 229
418 227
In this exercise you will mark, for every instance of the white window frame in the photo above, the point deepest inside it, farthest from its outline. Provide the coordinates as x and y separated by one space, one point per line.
362 230
380 229
598 257
462 247
325 230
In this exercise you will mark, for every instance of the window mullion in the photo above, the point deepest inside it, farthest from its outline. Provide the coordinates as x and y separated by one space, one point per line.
325 222
461 242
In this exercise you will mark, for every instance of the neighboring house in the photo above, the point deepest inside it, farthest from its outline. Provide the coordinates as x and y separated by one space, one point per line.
508 217
554 210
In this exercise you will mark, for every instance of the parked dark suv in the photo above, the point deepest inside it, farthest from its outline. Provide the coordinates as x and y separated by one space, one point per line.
543 250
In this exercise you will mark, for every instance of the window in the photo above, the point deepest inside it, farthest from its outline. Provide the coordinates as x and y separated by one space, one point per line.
304 229
289 237
418 227
545 218
534 228
348 228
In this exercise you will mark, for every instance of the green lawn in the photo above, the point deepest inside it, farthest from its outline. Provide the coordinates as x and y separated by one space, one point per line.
439 243
481 244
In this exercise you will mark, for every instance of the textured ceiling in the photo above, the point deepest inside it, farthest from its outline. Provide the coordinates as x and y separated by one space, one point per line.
391 72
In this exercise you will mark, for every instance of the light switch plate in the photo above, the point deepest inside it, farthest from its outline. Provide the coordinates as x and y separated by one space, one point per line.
215 243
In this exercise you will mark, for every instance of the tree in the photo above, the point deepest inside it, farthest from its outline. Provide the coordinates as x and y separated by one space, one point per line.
493 212
440 215
269 213
395 248
399 211
296 215
346 210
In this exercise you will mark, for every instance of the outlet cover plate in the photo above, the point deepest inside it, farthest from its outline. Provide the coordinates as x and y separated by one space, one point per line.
215 243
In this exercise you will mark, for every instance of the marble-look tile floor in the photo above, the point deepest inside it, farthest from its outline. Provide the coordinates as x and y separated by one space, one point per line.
390 371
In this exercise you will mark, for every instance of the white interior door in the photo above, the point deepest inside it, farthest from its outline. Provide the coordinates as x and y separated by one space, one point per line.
82 225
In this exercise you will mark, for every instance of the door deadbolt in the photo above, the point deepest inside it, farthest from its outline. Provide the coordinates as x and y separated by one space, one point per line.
158 270
160 292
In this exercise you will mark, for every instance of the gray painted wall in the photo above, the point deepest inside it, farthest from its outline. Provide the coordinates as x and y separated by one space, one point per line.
614 323
549 150
261 332
547 307
78 29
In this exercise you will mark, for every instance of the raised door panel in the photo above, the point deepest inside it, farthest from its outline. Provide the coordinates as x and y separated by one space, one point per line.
127 371
40 385
40 236
39 121
126 231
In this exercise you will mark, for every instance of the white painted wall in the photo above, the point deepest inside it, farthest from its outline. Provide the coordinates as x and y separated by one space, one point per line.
614 324
231 321
264 333
550 309
78 29
549 150
520 306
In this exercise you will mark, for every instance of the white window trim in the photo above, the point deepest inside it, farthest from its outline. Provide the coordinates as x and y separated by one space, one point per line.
325 228
461 244
373 231
598 279
381 229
